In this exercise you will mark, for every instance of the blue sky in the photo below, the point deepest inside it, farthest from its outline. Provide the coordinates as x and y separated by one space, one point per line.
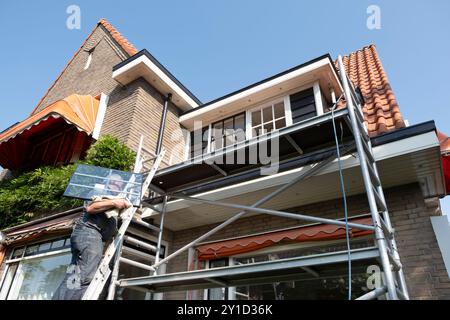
215 47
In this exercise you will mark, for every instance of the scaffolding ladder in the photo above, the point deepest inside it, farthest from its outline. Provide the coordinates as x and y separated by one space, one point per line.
384 233
385 249
113 253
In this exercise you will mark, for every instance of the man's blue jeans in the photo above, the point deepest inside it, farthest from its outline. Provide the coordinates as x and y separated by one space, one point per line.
87 250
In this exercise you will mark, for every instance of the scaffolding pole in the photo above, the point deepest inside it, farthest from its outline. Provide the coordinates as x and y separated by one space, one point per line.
302 176
379 234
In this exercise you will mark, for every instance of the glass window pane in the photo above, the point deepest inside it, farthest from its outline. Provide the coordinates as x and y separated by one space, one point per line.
58 244
230 140
17 253
280 123
268 127
37 279
279 110
44 246
267 114
256 118
239 122
228 124
256 131
8 279
31 250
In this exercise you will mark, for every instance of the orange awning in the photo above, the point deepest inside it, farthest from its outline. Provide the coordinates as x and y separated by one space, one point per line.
75 109
322 232
444 141
75 113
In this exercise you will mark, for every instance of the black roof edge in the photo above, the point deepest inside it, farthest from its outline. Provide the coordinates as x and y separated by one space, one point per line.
327 55
393 136
404 133
144 52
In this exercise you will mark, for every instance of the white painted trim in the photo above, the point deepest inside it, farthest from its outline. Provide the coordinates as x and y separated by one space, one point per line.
256 89
159 73
318 98
100 115
287 110
441 228
42 255
390 150
260 107
88 61
333 95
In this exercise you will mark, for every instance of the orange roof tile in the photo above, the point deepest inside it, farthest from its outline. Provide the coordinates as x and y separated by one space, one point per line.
121 40
444 141
381 110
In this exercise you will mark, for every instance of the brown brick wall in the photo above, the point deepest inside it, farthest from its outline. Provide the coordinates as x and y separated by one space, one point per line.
136 110
424 268
94 80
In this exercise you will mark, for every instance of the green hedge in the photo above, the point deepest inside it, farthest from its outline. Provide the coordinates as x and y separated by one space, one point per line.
39 192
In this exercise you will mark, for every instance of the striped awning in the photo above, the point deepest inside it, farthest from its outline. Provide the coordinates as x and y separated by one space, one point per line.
321 232
75 109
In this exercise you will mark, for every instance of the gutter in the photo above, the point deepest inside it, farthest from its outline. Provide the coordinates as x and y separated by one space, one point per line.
44 219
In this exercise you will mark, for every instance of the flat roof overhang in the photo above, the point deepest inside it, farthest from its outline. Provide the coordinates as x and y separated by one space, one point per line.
144 65
320 70
308 136
409 155
249 274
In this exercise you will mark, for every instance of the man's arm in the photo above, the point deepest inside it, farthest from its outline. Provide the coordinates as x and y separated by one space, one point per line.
105 205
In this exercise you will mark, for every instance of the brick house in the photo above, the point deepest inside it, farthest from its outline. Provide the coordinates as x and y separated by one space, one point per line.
108 87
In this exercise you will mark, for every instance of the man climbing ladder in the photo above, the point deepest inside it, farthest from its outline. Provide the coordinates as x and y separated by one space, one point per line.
91 231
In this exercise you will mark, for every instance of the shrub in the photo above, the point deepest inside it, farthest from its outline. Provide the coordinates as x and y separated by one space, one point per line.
108 152
39 192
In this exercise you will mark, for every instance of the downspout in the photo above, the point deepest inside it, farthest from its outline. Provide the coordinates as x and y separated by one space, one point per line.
162 125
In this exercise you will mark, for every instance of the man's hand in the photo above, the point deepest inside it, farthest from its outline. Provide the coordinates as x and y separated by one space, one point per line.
121 204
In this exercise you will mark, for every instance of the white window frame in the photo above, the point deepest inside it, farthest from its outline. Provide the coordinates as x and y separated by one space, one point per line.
287 112
162 270
24 258
272 250
89 60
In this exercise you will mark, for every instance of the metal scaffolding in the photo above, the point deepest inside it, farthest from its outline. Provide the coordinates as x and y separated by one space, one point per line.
277 270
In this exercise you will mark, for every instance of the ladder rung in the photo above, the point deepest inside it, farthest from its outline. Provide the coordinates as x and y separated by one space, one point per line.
139 243
375 180
400 294
145 224
389 233
136 264
363 131
367 151
148 160
359 114
380 202
397 266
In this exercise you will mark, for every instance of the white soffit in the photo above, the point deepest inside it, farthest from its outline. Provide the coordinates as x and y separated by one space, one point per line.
144 67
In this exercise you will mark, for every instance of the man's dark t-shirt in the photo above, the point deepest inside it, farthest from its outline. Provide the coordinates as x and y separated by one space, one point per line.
100 222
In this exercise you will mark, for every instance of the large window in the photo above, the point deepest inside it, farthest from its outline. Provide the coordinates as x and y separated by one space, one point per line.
34 272
268 118
265 118
227 132
325 282
218 135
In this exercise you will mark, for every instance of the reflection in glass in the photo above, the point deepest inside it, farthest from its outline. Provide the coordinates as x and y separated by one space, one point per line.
88 181
37 279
